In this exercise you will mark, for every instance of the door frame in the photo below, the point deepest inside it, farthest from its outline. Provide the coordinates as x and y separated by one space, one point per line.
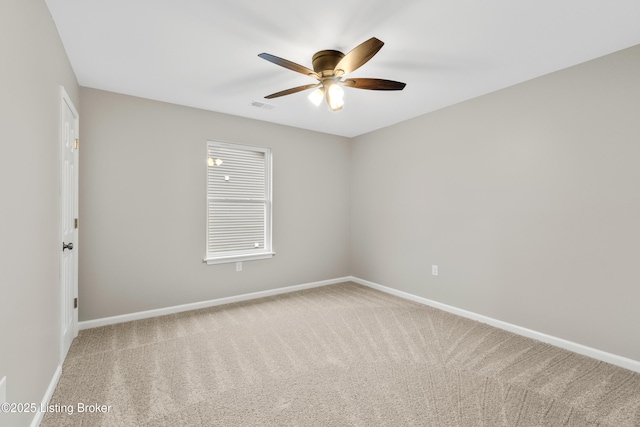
65 101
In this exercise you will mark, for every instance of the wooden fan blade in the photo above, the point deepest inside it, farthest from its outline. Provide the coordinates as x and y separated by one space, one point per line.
292 90
374 84
359 56
290 65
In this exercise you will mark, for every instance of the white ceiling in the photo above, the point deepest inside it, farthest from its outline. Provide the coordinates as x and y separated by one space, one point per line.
204 53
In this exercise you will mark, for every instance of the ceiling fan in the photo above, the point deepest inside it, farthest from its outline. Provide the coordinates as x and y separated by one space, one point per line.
330 68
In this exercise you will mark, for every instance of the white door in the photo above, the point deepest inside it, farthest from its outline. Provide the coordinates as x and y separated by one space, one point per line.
68 223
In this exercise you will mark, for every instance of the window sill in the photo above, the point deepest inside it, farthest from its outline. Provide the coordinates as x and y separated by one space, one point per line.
238 258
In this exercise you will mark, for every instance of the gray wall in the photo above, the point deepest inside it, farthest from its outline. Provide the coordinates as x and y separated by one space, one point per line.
528 199
34 64
142 206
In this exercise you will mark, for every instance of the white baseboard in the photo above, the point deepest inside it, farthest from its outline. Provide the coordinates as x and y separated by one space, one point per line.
88 324
3 390
632 365
37 419
614 359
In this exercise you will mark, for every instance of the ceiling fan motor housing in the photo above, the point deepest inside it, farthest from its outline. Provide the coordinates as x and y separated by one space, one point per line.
325 61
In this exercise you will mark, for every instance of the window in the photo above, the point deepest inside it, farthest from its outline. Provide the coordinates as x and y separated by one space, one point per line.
238 203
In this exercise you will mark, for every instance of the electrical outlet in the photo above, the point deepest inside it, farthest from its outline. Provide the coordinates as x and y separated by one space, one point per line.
3 390
434 270
239 266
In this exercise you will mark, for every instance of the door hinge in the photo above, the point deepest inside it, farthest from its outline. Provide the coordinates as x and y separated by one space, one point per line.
75 303
75 223
76 143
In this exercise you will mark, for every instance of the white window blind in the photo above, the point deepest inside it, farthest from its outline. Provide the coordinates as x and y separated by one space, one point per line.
238 203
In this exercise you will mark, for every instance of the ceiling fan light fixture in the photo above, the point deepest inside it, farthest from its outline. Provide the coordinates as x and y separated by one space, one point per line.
316 96
329 68
335 96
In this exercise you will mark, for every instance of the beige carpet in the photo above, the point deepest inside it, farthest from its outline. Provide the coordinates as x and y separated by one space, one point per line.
341 355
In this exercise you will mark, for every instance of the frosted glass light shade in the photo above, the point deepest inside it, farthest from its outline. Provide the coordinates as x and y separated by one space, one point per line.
316 96
335 97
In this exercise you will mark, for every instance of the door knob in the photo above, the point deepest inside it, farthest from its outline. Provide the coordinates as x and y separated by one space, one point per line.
67 246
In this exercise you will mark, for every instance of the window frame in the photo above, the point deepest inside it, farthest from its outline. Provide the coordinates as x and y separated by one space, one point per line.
247 255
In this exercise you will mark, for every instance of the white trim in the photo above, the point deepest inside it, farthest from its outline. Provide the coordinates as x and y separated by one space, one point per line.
37 419
237 258
3 390
88 324
623 362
